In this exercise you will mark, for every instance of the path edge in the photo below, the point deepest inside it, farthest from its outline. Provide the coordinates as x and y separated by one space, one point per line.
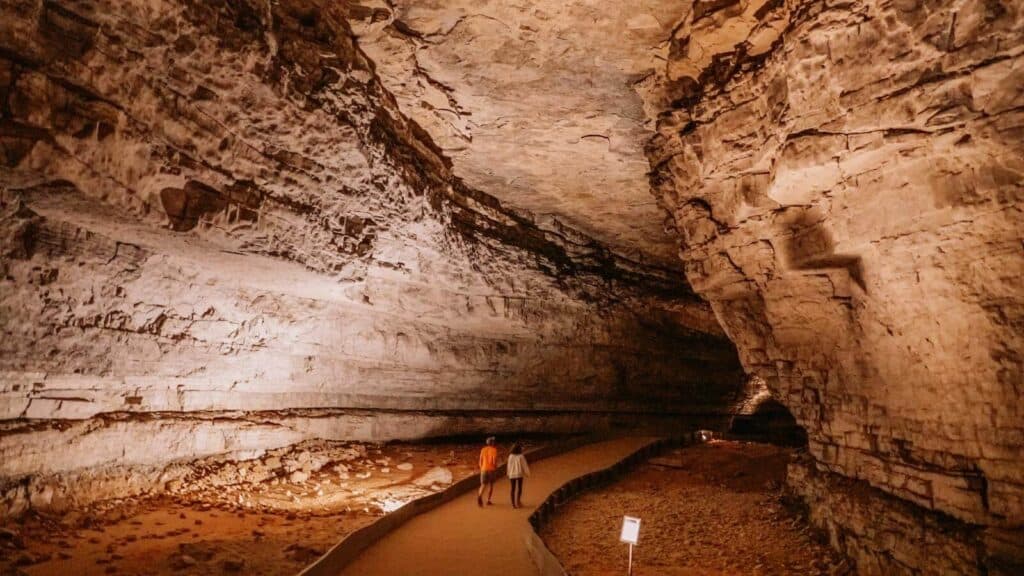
350 547
544 559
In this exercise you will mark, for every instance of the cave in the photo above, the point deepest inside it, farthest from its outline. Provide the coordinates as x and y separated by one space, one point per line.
770 422
255 253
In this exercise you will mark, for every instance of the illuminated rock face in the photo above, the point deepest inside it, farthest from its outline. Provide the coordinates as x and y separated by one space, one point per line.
232 226
220 235
539 104
847 184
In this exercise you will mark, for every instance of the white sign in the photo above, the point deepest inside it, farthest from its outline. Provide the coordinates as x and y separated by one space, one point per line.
630 530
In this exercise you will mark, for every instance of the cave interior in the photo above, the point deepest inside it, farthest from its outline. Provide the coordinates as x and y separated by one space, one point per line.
228 228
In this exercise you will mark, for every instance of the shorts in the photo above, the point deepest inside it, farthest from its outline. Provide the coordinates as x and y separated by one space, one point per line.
488 476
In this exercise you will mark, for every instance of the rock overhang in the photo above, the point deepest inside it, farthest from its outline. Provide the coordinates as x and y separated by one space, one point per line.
542 105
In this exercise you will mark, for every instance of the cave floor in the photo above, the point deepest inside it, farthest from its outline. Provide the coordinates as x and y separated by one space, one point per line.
461 538
271 515
710 509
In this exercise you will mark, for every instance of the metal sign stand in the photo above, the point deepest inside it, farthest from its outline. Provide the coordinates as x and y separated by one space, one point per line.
630 535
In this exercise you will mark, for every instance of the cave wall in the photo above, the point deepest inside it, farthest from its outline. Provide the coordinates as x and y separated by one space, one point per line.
847 180
219 236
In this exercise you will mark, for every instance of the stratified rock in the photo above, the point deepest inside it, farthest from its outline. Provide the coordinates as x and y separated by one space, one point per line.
536 104
218 227
846 179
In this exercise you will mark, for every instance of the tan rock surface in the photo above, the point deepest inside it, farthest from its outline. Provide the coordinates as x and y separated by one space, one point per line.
221 236
228 227
847 181
539 103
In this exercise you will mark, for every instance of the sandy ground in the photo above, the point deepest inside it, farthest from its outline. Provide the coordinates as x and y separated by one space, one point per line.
709 510
273 515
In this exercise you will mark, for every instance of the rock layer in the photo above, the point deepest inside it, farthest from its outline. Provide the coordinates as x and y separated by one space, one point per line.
539 104
220 235
847 179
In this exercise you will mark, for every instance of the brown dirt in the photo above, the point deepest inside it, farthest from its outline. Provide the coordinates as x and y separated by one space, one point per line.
460 538
221 521
713 509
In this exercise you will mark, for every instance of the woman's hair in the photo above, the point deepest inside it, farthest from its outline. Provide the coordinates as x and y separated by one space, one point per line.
517 448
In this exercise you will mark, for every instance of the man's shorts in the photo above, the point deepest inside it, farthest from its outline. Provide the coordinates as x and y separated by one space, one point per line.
488 476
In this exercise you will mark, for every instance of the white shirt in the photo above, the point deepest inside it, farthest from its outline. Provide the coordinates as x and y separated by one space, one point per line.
517 466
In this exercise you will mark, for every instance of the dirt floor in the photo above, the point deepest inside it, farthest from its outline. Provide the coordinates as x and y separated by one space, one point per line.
709 510
461 537
271 515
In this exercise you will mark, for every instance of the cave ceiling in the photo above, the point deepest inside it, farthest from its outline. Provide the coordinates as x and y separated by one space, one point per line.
538 103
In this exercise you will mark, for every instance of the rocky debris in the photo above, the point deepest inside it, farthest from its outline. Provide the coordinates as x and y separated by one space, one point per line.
25 559
302 554
405 466
11 539
218 503
183 561
435 476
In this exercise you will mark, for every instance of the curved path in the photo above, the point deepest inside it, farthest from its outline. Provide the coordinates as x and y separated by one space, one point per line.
461 538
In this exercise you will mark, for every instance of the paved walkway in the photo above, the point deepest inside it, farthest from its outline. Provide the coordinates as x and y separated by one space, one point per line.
461 538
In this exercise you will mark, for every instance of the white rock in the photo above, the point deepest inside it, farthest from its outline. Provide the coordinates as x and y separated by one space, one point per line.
436 475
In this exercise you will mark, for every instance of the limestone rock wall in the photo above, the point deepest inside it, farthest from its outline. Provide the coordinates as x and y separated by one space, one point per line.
847 180
219 235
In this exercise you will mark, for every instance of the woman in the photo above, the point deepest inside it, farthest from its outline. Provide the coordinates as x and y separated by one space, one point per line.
517 470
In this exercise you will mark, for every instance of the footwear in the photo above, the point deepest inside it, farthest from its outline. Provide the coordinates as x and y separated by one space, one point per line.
480 501
489 503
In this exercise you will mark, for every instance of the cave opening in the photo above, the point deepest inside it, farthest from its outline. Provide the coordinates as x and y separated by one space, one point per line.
769 422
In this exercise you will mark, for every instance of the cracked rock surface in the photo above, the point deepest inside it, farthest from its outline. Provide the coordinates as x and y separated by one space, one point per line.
221 235
540 104
228 227
847 183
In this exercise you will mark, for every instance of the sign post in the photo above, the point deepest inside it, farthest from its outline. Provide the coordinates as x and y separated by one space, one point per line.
630 535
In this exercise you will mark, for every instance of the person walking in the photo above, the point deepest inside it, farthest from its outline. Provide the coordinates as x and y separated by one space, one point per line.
488 471
517 470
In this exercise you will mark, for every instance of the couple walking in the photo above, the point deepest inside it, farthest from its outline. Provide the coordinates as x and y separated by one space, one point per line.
517 469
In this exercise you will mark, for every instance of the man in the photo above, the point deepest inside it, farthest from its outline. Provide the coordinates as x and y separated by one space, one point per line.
488 471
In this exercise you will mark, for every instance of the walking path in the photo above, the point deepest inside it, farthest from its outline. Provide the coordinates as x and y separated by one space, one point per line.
461 538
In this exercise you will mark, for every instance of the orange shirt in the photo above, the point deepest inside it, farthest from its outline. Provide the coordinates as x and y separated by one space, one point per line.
489 459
